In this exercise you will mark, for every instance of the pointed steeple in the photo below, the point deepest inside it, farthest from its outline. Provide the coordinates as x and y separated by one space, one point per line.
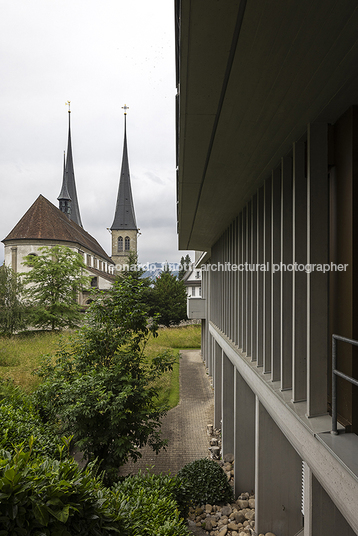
64 197
124 217
70 176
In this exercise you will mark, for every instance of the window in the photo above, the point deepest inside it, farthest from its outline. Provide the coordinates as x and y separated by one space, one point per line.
193 291
199 291
120 243
127 244
94 282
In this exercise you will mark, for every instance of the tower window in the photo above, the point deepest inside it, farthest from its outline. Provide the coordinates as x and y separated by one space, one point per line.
120 243
127 244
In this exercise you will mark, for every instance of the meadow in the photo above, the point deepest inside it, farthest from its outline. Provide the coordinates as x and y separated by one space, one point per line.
21 355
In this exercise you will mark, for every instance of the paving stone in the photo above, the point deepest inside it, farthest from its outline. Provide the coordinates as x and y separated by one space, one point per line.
185 425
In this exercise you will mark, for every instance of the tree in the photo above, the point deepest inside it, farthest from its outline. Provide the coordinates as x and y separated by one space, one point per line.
55 278
168 299
12 307
181 269
101 388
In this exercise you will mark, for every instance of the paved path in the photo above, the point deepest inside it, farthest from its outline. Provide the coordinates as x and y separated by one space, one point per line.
185 425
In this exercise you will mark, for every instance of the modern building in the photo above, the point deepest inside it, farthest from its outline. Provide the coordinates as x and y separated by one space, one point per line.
267 156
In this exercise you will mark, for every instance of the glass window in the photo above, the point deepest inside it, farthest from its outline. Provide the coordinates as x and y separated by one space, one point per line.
127 243
120 243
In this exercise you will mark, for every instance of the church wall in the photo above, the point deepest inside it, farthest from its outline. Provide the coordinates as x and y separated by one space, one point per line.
15 252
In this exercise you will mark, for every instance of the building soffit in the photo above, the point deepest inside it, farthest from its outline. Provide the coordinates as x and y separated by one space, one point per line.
252 76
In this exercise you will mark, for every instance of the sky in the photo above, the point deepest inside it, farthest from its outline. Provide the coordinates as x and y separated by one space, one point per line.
99 55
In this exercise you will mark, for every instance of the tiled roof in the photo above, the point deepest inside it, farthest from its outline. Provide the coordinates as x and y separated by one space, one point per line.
44 221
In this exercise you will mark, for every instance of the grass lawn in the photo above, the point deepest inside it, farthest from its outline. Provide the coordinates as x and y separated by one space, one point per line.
21 354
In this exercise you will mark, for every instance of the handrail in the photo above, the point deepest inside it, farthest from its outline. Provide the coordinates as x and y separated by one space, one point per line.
336 373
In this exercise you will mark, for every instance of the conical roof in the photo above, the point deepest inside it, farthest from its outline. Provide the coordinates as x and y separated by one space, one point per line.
70 176
64 194
124 217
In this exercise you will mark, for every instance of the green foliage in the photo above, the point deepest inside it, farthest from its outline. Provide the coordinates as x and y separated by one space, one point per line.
203 482
168 299
19 420
148 505
185 264
101 387
55 278
45 497
12 307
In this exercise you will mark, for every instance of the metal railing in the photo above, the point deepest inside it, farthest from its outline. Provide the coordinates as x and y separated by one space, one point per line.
336 373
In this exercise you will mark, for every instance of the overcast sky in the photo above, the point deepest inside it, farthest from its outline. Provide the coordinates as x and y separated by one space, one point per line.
99 55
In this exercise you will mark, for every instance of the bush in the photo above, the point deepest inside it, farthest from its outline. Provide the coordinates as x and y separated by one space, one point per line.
203 482
101 389
53 498
19 421
148 505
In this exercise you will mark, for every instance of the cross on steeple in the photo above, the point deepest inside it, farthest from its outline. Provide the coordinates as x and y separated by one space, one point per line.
125 108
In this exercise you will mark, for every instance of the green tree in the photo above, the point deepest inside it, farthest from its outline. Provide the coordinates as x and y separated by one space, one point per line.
12 307
181 269
101 388
168 299
55 278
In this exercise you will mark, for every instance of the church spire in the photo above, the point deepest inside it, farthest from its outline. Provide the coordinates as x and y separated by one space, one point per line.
64 197
124 217
70 176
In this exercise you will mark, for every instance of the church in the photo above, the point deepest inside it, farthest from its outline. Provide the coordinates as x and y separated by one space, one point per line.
44 224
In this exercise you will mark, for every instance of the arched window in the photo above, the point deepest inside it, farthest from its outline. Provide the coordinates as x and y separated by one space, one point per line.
127 243
120 243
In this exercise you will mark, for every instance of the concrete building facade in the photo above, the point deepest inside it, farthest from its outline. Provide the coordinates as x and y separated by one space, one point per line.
267 156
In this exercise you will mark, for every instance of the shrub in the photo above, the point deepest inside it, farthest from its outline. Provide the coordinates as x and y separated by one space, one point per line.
19 420
203 482
53 498
101 388
148 505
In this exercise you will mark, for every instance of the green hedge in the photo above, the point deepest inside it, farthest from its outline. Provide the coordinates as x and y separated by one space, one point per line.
148 504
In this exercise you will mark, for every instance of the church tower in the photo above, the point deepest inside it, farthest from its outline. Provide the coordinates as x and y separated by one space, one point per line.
68 201
64 198
124 227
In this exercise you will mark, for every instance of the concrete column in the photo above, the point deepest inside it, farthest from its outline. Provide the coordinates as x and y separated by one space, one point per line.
244 280
244 449
240 284
325 517
249 280
286 275
254 276
217 382
299 292
307 500
275 277
260 276
236 285
267 280
317 282
227 406
277 479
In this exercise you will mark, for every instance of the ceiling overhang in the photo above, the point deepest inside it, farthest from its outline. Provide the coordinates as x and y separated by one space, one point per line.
252 75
